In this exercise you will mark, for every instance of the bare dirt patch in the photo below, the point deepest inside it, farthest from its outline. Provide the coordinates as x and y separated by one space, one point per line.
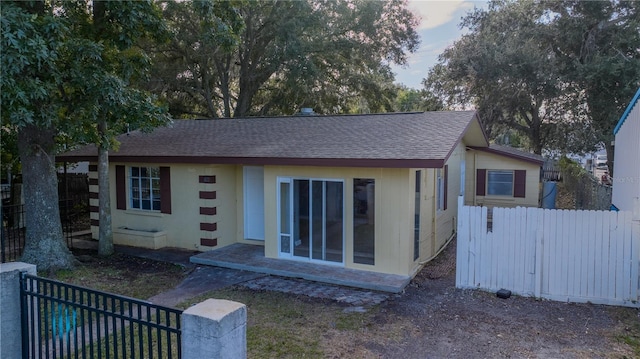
442 321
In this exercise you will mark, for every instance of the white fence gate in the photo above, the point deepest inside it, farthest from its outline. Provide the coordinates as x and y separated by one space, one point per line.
575 256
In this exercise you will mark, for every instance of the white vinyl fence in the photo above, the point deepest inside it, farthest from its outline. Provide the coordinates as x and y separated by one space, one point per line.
575 256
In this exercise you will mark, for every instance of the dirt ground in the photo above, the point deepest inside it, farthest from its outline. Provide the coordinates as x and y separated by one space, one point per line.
446 322
431 319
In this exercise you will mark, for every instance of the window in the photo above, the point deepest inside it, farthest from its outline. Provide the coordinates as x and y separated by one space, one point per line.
145 188
364 219
500 183
311 219
440 186
442 175
416 227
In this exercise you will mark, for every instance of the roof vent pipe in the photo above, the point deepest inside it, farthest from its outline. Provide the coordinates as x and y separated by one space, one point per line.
306 111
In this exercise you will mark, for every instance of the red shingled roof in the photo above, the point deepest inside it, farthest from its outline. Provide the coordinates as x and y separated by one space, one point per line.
418 140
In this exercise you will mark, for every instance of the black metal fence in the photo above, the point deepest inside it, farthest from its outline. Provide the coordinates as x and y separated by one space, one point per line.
60 320
74 217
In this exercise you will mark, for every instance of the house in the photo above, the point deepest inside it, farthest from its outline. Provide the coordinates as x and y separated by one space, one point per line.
626 172
504 177
365 192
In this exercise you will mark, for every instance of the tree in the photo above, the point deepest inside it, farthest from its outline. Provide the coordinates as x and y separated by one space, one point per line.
283 55
507 73
597 44
409 100
63 73
556 72
31 43
104 61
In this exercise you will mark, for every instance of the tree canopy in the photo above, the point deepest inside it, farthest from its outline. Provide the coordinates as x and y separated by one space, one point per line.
558 73
275 57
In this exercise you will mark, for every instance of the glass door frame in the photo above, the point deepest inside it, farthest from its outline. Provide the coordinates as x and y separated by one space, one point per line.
288 233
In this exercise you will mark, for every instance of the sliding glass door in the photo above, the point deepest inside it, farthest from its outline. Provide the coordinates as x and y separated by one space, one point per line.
311 219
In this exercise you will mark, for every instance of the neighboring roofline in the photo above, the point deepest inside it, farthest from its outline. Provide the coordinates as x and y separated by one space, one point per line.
626 112
508 154
321 162
464 132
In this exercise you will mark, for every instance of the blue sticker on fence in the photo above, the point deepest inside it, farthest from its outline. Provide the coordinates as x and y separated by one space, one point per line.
63 321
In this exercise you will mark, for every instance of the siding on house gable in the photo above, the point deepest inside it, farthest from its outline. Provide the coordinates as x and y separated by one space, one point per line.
478 162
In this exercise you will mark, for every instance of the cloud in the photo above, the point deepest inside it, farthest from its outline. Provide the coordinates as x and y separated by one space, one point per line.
435 13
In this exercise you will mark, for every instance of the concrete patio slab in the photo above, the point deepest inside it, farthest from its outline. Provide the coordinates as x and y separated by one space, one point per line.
251 258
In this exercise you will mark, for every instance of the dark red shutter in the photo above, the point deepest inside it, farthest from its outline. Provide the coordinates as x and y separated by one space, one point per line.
165 190
520 184
481 182
121 188
446 186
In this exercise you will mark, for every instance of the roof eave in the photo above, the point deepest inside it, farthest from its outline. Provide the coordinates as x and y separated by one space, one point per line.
508 154
273 161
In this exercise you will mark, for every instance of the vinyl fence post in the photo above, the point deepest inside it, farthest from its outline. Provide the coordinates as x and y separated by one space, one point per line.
10 313
215 328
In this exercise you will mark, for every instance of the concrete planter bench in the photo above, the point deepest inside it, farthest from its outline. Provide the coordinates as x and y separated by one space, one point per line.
140 238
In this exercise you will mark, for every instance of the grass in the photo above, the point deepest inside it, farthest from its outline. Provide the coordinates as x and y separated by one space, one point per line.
121 274
285 326
288 326
128 276
628 328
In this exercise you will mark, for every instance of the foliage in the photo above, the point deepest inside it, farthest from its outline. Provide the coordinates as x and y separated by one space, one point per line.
276 57
409 100
570 167
58 69
556 72
68 70
597 46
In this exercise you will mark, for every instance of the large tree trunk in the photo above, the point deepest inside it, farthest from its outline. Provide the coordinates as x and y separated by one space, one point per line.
105 234
44 244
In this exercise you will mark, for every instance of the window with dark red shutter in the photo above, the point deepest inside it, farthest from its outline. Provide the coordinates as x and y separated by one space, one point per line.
165 190
481 182
121 188
446 186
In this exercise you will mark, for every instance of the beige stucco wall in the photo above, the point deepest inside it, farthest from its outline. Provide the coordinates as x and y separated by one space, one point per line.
446 219
182 226
484 160
394 213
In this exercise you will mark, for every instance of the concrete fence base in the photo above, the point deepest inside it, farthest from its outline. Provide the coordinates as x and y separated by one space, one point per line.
10 314
215 328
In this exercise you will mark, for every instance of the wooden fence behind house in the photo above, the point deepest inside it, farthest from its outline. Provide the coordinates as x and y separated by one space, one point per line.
575 256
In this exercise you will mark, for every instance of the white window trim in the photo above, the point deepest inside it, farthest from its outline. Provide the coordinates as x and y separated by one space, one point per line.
290 255
513 179
130 189
440 189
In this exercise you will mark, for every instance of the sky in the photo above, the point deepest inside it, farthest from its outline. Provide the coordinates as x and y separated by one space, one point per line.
438 30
